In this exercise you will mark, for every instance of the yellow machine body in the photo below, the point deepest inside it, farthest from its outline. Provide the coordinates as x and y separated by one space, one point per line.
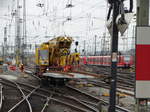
54 53
1 61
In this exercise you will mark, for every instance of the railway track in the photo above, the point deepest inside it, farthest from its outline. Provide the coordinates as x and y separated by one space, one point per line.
123 86
83 98
103 84
52 95
98 100
12 96
124 79
63 97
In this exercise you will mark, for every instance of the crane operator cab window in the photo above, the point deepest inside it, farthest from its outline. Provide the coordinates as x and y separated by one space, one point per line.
64 44
1 62
44 57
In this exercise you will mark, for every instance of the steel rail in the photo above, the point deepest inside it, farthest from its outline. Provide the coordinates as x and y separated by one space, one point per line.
55 99
24 98
82 103
70 105
46 104
23 95
106 86
57 92
100 100
31 73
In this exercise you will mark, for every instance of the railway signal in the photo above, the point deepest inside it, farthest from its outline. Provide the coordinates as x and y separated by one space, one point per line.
114 25
123 18
123 25
114 50
76 43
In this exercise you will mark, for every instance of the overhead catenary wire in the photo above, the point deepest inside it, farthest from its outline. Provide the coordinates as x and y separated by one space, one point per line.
77 18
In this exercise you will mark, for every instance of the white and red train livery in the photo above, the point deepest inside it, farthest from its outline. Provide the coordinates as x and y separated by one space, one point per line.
123 60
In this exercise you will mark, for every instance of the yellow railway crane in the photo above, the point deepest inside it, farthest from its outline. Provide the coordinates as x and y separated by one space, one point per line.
55 55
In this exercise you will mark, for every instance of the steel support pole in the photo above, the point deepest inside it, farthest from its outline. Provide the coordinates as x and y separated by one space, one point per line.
17 39
95 45
84 48
5 44
114 52
24 43
3 51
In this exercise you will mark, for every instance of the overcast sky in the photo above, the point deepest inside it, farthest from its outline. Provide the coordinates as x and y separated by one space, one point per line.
88 19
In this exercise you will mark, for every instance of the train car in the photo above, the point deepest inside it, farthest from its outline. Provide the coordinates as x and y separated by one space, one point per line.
124 61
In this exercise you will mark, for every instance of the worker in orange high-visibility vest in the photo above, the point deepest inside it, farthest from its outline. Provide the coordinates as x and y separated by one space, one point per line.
22 68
